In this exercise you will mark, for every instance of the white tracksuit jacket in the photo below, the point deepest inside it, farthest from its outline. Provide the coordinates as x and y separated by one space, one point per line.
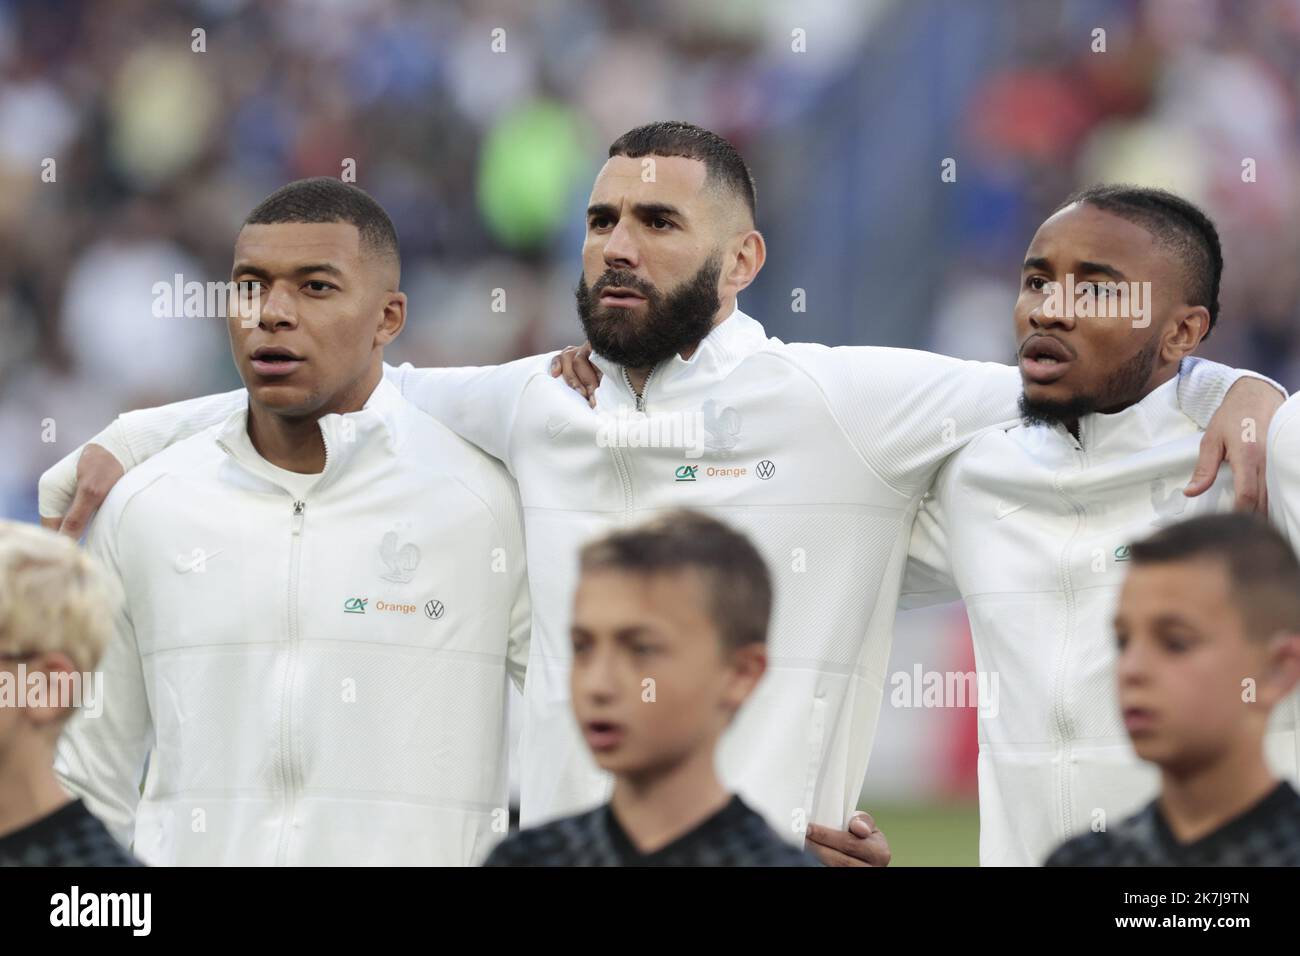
1031 527
820 454
319 681
1284 470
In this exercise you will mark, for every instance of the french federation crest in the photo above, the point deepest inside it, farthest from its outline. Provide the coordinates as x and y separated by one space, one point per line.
401 562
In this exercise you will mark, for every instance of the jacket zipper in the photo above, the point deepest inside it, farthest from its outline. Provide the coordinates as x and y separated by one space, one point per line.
291 776
639 396
620 464
1063 727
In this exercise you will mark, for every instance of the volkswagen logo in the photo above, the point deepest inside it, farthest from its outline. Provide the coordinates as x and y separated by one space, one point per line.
433 610
765 469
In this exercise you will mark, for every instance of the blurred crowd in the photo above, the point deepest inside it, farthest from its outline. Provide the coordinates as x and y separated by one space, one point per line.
1196 96
479 125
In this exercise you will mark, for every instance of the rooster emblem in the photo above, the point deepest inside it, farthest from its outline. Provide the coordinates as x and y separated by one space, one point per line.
401 562
723 426
1168 505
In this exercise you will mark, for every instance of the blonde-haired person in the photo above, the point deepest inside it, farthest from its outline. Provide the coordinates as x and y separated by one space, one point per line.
56 616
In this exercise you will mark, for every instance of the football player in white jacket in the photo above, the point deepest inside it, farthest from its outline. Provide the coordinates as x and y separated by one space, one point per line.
1030 523
325 592
819 455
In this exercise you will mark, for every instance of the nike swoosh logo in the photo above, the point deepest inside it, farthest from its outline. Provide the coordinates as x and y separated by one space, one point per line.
1005 509
554 427
184 564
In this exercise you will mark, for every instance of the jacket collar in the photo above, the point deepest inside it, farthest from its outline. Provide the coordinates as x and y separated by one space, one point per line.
728 343
345 435
1154 420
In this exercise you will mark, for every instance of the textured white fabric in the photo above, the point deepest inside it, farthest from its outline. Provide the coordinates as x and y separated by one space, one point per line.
854 437
1030 527
284 723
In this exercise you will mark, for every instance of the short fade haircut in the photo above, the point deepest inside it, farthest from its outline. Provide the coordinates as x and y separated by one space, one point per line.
724 165
1178 225
1263 571
323 199
733 576
53 597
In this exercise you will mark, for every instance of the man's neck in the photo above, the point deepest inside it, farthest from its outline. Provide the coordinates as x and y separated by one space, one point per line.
656 811
1158 378
1199 802
637 376
29 790
296 444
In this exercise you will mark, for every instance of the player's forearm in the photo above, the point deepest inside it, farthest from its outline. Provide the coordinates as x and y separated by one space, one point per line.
135 437
478 403
1203 385
148 431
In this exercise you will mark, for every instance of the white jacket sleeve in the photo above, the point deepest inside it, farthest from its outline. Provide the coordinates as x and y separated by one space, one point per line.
1284 470
906 411
101 756
478 403
135 437
1202 386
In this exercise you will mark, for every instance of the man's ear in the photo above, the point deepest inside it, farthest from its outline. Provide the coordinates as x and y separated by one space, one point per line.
1185 333
392 320
749 255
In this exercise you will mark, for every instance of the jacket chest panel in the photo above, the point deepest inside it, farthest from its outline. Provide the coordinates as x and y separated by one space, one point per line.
1061 522
403 566
384 564
201 576
744 441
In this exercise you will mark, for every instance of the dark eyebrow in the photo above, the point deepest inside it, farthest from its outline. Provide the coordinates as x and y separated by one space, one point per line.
1085 268
245 268
655 210
645 210
1091 268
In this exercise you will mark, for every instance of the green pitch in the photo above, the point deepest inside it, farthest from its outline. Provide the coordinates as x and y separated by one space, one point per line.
929 834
